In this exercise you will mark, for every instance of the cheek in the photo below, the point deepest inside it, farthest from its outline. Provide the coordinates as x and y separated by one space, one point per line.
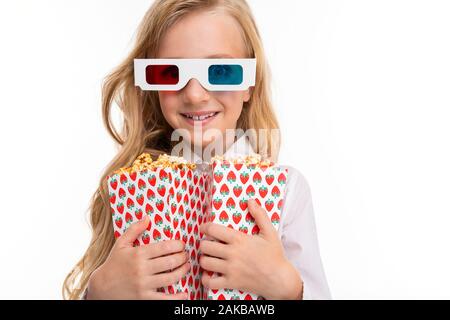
169 106
232 103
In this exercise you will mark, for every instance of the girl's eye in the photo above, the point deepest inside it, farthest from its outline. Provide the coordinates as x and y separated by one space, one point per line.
221 71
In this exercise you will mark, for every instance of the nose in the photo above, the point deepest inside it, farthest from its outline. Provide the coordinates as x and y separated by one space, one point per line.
194 93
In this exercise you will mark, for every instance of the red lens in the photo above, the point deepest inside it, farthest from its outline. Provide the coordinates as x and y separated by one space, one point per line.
162 74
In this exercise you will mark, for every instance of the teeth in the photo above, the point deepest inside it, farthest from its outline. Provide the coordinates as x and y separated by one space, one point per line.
200 118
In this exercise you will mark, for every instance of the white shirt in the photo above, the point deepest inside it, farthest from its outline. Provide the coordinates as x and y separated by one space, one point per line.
297 225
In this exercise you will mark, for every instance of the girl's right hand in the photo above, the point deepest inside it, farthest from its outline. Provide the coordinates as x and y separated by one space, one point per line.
136 272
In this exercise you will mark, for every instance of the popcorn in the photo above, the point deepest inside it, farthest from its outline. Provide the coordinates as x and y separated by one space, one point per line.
179 196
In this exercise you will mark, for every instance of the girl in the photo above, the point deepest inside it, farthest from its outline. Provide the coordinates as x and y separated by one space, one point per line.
288 259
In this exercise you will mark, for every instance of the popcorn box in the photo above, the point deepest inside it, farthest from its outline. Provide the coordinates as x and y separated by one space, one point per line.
179 197
234 183
171 195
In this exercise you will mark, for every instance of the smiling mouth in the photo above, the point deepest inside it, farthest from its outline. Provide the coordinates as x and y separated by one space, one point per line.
200 117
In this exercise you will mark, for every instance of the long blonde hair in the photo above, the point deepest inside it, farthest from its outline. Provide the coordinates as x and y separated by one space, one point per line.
144 128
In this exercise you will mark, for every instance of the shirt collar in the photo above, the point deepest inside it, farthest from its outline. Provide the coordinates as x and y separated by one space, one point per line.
240 148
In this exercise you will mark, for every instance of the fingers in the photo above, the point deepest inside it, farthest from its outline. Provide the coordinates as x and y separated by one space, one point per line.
214 283
176 296
166 263
133 232
169 278
213 264
214 249
261 218
219 232
162 248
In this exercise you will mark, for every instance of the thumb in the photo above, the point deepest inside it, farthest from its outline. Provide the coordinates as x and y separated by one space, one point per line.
261 218
134 231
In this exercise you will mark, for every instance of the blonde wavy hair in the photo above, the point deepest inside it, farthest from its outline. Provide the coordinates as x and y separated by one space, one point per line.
144 128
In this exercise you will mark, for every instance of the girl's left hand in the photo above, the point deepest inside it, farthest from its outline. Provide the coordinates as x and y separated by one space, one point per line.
252 263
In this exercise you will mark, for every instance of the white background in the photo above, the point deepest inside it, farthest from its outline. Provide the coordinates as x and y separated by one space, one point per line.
362 93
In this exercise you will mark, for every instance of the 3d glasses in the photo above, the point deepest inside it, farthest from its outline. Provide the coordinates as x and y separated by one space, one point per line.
213 74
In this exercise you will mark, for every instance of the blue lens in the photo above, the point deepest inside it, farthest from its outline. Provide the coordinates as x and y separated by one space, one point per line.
225 74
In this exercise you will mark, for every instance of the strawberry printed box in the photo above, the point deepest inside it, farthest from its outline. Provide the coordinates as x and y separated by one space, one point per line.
171 193
234 182
180 196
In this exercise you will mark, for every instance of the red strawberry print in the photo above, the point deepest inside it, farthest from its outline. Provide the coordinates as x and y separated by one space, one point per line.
275 218
182 172
152 180
188 214
191 189
255 230
128 218
150 194
159 205
122 193
231 177
237 190
191 243
175 222
282 179
217 203
257 178
171 192
133 175
248 297
148 209
149 227
218 176
138 214
183 281
189 228
196 229
183 225
146 239
237 217
263 191
156 235
113 183
225 164
190 281
221 297
130 203
140 199
116 234
224 191
186 199
269 179
269 205
167 215
118 222
238 166
123 179
177 235
184 238
243 229
112 198
161 189
244 177
158 220
168 232
163 175
177 182
141 184
179 196
249 218
250 191
230 203
173 208
280 204
275 192
131 189
120 207
223 217
243 204
195 179
136 243
189 174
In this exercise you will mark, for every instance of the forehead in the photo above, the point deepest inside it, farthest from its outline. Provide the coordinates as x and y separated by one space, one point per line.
203 34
